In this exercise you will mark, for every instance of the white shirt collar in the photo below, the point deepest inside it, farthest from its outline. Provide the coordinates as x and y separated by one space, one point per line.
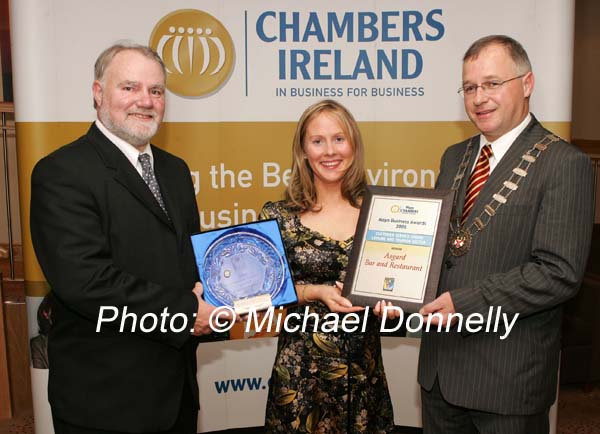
501 145
130 151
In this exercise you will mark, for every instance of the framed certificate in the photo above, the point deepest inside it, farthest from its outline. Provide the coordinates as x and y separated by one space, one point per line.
398 247
244 267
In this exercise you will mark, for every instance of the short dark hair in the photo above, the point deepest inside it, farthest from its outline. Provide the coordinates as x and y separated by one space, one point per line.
514 48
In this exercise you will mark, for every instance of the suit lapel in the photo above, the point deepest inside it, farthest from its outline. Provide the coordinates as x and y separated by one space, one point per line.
168 187
124 173
503 170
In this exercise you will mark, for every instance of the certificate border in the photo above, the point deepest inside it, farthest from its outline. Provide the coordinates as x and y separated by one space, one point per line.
438 248
438 202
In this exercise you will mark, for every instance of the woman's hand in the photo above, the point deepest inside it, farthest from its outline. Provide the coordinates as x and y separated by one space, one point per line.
330 296
392 312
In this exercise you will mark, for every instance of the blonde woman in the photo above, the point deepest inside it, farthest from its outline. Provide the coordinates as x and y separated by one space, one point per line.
325 382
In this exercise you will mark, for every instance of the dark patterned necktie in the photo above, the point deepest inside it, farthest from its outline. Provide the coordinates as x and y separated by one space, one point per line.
480 174
150 179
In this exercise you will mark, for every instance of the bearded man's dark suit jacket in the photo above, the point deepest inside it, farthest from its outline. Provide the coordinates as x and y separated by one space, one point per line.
102 240
529 260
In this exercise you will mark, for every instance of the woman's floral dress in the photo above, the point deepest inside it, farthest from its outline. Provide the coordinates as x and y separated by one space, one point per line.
324 382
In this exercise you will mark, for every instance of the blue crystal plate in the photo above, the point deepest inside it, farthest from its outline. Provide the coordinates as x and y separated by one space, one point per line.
241 264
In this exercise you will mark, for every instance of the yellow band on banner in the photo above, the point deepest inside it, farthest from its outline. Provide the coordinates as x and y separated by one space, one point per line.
36 289
238 166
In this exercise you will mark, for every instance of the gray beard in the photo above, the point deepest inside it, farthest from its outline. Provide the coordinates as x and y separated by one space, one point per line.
124 132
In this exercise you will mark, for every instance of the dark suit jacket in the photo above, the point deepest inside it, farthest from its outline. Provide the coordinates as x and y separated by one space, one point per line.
529 260
102 240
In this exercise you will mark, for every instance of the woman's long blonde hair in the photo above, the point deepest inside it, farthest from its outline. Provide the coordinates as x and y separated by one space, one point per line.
301 193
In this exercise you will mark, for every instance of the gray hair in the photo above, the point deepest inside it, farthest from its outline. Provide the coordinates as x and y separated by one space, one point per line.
514 48
105 58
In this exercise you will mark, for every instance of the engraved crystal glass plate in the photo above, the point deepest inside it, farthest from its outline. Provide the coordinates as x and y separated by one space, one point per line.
242 264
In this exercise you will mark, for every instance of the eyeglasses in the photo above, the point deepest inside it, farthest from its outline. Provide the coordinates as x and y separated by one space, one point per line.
488 87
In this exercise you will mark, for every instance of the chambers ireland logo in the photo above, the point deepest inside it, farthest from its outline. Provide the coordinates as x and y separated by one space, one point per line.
196 49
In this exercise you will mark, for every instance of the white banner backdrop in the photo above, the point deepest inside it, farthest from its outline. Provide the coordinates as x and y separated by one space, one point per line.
235 398
285 45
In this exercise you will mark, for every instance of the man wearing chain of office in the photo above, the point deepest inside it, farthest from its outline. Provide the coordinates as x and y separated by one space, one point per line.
519 239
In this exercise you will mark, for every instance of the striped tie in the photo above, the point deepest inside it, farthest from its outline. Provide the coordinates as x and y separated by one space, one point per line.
480 174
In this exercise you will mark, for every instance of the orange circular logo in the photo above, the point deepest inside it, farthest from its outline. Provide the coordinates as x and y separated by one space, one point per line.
196 49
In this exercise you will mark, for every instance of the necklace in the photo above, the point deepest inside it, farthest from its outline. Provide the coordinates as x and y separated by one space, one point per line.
461 236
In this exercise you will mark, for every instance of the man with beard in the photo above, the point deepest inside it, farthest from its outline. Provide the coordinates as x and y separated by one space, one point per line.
111 218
